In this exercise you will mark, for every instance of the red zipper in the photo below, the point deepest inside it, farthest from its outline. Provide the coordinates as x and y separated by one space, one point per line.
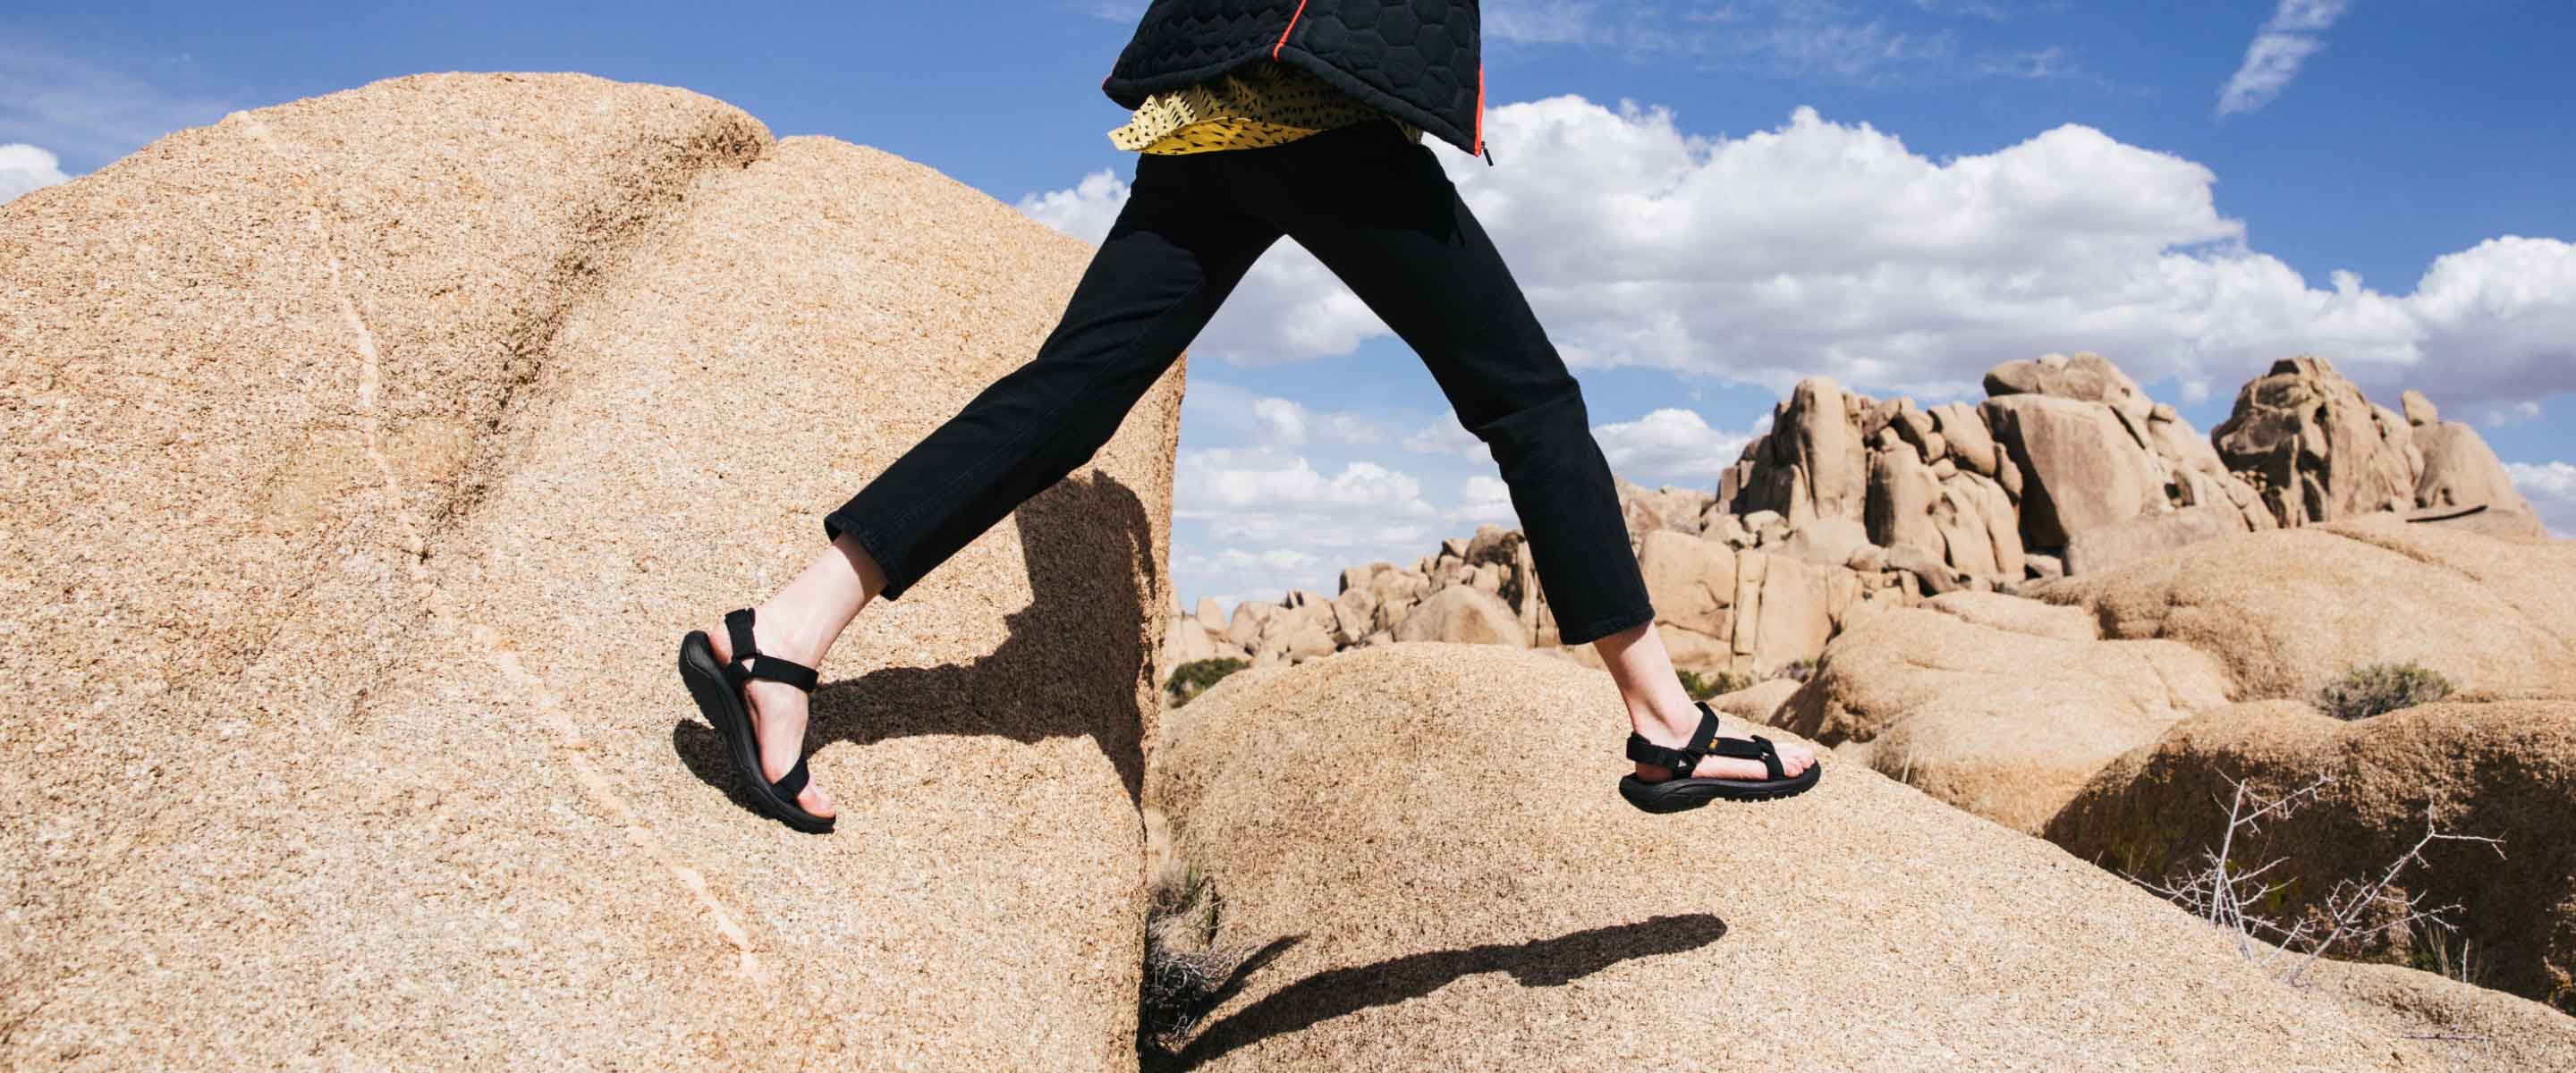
1480 113
1283 32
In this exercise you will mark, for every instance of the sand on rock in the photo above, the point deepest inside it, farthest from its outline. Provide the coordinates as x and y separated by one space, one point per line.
1434 855
369 455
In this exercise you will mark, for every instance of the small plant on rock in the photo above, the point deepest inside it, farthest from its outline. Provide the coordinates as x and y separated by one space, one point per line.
1186 972
1796 670
2381 688
1193 678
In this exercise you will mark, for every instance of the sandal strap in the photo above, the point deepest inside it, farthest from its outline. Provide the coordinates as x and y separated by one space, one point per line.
1681 760
792 783
1760 748
770 668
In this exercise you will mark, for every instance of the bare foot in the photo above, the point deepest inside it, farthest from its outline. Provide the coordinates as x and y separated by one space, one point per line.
1674 731
778 713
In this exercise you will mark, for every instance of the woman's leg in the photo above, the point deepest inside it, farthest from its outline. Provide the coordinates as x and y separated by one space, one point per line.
1176 250
1381 214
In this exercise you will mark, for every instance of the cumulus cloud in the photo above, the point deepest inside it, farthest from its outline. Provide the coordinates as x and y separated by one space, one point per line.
2551 488
1668 446
2295 32
1264 497
26 167
1824 247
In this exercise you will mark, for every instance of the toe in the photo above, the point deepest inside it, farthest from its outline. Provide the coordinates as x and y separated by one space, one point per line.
814 801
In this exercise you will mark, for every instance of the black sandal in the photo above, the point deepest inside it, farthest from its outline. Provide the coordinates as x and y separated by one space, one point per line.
718 689
1679 792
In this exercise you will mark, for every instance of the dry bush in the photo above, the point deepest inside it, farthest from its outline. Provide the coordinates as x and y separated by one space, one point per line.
1186 971
2225 893
2381 688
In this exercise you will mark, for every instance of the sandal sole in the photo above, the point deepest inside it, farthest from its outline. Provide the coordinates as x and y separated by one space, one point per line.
1682 795
723 710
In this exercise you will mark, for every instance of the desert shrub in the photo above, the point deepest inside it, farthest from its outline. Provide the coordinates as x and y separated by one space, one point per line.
1702 687
1186 972
1193 678
2381 688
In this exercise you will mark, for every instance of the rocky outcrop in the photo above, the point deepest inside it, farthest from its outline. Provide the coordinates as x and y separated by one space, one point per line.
1854 504
2288 611
2003 708
2319 452
2062 447
1444 896
369 456
2504 770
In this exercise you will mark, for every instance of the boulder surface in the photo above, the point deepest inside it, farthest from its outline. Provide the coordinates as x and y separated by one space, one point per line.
369 456
1434 894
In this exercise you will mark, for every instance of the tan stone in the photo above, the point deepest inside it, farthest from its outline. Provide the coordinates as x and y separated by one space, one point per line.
2119 543
2007 725
1902 495
2420 411
388 442
1966 438
2461 470
1210 615
2013 614
2288 610
2315 447
2503 770
1794 618
2080 468
1446 918
1461 614
2085 377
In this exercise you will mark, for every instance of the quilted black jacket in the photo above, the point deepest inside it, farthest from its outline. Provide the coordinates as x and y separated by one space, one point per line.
1417 60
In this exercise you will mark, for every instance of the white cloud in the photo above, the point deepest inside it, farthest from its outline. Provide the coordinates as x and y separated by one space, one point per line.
24 168
1668 446
1263 497
2551 488
1821 247
1085 211
2295 32
1483 499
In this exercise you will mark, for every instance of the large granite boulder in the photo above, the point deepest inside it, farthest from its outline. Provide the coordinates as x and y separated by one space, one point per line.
2080 465
1462 614
2001 711
2289 610
2503 770
1432 894
2316 448
370 454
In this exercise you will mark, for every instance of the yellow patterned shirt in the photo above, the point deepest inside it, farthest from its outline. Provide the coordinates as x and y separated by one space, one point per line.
1261 103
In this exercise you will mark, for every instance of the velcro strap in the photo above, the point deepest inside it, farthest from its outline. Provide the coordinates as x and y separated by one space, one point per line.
1760 748
792 783
738 626
780 670
1647 752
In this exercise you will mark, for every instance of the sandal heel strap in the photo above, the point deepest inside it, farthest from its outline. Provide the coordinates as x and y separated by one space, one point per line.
1647 752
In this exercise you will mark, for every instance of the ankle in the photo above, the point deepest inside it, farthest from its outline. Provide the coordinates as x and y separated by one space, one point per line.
781 632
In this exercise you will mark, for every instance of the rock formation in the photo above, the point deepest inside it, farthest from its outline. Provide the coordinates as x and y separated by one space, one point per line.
369 455
1434 894
1852 504
2288 611
2501 769
2319 452
1998 705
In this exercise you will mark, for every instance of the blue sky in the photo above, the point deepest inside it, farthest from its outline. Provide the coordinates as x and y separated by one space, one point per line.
1898 194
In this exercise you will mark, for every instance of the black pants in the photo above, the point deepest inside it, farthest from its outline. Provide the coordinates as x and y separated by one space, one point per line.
1377 210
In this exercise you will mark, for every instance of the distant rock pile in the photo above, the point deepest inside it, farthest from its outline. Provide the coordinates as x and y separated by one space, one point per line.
1851 505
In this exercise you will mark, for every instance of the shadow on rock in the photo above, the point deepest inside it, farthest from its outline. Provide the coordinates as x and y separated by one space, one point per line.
1537 963
1069 667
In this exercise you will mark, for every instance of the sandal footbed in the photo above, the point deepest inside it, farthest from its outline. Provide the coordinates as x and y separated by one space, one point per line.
723 707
